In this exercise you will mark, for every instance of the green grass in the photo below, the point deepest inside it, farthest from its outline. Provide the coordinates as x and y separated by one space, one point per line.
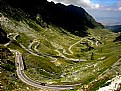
57 38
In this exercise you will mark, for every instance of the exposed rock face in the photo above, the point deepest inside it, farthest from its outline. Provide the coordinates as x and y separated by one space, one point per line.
114 86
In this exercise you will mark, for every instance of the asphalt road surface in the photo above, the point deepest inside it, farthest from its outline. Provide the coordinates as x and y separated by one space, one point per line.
25 79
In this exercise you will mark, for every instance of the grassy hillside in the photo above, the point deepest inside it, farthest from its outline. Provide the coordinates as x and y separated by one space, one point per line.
98 49
51 50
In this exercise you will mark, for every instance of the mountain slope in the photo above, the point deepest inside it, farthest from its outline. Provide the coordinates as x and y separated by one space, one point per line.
74 19
51 53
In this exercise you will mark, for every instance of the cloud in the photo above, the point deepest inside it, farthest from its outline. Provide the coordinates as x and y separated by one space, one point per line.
119 5
119 8
82 3
88 4
111 8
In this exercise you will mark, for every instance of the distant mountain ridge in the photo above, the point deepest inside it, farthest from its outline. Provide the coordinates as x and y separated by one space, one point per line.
74 19
115 28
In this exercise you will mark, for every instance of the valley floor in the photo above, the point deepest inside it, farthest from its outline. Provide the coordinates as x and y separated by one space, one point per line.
57 58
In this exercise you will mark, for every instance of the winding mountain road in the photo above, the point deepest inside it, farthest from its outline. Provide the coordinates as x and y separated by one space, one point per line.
20 70
72 59
60 54
25 79
71 52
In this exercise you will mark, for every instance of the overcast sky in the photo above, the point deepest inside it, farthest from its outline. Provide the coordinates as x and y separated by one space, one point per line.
99 9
